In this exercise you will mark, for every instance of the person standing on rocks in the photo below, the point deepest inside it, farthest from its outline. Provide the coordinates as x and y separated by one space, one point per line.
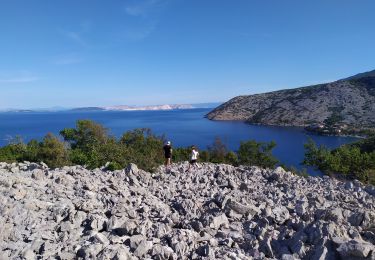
193 158
167 154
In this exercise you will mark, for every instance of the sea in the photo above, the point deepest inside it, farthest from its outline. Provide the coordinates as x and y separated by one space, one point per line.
183 128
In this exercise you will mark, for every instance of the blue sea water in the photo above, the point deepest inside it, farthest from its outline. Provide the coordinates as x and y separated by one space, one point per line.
182 127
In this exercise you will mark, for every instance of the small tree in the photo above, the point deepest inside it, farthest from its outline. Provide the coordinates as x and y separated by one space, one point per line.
217 151
231 158
257 153
91 145
53 152
32 150
143 148
318 157
86 135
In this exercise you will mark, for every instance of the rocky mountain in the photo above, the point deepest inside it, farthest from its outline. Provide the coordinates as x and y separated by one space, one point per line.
213 212
349 101
368 74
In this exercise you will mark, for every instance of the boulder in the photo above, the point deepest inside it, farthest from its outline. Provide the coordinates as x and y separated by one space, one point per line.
143 248
355 248
242 209
38 174
132 169
280 214
219 221
100 238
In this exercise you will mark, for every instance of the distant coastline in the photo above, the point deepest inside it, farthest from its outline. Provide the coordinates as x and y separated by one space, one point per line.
145 108
118 108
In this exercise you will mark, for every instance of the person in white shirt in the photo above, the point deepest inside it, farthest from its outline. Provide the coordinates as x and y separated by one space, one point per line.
193 157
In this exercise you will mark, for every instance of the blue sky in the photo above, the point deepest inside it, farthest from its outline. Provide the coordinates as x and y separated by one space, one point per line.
95 53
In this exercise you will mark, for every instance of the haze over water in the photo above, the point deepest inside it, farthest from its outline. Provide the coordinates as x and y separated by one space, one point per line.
182 127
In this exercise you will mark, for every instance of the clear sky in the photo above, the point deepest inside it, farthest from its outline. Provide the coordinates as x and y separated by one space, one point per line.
110 52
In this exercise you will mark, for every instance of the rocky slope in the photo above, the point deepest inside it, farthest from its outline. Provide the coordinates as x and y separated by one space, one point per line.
214 212
350 101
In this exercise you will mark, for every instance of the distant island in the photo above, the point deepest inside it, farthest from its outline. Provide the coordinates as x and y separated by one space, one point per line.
120 108
20 110
156 107
346 106
137 108
148 108
88 109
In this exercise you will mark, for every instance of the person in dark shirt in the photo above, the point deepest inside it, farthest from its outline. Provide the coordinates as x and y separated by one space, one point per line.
167 154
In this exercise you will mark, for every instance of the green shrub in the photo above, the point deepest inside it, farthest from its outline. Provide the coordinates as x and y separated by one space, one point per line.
14 151
317 157
112 166
143 148
181 154
87 135
77 156
10 153
369 176
347 160
231 158
53 152
92 146
32 151
257 153
215 153
366 145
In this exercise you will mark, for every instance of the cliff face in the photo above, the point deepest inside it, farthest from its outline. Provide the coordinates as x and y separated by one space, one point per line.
350 101
213 212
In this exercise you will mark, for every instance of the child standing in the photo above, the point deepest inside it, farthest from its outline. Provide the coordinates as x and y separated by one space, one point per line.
193 157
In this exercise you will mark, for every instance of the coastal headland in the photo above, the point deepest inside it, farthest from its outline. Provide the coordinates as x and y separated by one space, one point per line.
343 107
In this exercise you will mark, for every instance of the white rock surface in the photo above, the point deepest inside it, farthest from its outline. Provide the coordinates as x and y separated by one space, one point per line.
215 212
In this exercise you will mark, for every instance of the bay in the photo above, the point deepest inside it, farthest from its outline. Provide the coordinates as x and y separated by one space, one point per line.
181 127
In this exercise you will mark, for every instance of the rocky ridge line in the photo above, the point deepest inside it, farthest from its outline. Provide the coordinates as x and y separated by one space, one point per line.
214 212
350 102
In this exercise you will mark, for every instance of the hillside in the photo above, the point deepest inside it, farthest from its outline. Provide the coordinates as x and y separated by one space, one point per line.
214 212
349 102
